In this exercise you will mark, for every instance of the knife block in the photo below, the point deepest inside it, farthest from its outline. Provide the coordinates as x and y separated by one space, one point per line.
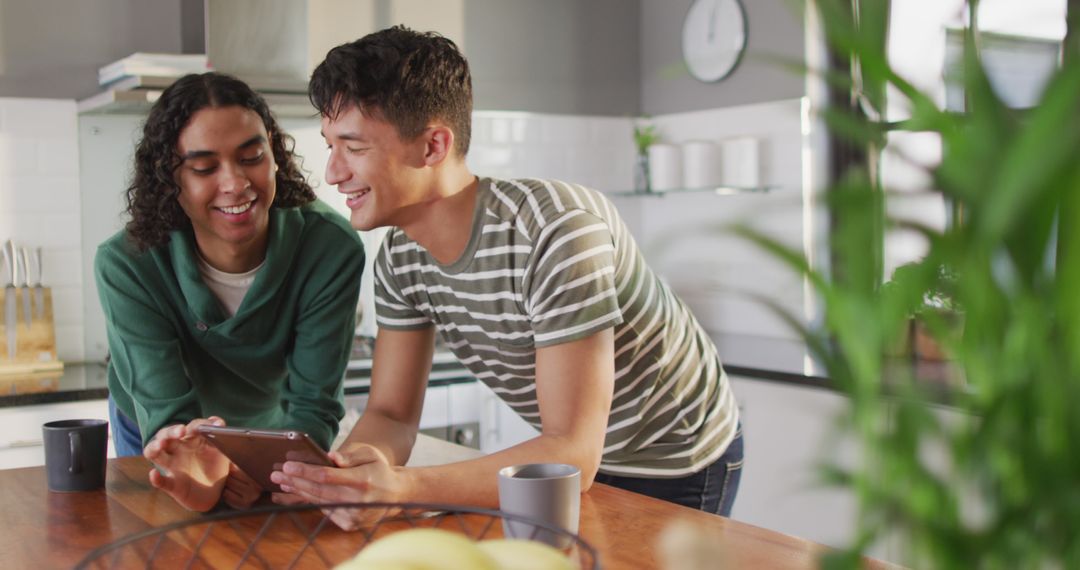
34 339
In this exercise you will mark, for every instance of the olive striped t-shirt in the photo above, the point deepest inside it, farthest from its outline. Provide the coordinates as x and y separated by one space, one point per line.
547 263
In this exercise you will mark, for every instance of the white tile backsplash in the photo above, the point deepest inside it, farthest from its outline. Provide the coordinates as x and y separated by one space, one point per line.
55 231
38 119
594 151
19 156
64 268
67 303
40 202
69 342
38 193
59 156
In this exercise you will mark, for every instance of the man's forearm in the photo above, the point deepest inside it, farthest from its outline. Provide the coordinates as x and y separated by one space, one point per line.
392 437
476 481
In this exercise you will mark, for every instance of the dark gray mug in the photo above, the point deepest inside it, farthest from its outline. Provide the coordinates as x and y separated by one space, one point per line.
75 453
545 492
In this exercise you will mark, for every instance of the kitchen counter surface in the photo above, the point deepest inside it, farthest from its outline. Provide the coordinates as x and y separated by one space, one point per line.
776 360
788 361
78 381
54 530
89 381
759 358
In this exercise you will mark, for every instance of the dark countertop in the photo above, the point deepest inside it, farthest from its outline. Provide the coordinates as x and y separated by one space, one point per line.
78 381
88 381
759 358
787 361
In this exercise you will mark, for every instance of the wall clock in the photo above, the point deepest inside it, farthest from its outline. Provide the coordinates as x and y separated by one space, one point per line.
714 38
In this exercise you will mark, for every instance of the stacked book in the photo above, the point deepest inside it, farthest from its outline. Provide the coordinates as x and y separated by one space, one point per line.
153 64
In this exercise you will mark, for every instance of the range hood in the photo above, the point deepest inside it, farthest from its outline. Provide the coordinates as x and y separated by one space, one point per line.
270 44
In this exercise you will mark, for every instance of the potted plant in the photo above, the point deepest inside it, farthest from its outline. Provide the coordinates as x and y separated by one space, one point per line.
1006 493
645 135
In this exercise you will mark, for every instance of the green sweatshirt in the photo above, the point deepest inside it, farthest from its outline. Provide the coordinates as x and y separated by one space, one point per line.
278 363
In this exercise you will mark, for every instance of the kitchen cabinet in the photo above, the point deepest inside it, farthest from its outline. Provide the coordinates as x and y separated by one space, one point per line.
454 411
787 434
785 429
501 427
20 429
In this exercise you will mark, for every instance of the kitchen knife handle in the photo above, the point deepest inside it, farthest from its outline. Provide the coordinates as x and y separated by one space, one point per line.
9 262
24 254
40 268
11 259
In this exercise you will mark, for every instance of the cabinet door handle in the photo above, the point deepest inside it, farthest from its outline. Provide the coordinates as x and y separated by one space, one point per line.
21 443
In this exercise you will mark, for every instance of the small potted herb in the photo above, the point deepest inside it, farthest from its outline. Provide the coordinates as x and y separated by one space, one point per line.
645 135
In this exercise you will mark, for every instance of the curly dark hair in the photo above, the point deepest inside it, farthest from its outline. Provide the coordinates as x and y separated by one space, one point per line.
151 197
406 77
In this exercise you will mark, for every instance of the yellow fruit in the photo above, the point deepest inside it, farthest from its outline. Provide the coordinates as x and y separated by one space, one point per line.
422 549
517 554
355 564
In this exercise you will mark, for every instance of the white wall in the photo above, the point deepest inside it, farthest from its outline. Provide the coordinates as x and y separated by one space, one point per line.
687 237
40 203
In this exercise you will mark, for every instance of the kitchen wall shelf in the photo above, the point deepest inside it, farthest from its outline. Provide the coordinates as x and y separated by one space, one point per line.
135 94
718 190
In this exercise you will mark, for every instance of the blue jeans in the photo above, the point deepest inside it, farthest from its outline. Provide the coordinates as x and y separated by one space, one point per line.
711 490
126 437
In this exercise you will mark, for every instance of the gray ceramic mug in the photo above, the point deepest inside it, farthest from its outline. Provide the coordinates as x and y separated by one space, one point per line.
75 454
545 492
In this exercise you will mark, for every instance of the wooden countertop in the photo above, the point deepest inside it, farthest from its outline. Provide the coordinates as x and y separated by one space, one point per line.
56 530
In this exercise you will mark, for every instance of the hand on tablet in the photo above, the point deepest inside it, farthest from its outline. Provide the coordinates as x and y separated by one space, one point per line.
188 468
241 491
363 474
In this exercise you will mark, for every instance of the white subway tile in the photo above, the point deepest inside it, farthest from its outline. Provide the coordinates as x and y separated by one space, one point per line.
48 230
63 266
35 193
532 162
488 157
69 342
59 157
500 130
67 305
18 155
40 118
480 131
523 130
563 129
617 134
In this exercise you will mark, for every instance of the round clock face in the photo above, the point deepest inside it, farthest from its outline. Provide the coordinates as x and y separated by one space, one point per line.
714 37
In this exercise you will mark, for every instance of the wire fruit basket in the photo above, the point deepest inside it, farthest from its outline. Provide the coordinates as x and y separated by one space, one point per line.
303 536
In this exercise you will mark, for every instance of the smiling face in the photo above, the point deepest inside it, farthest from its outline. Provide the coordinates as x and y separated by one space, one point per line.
227 182
382 176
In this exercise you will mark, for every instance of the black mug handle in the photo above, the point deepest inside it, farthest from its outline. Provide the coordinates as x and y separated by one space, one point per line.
75 439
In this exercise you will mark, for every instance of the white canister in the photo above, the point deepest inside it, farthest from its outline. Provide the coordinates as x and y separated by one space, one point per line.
665 167
740 165
701 164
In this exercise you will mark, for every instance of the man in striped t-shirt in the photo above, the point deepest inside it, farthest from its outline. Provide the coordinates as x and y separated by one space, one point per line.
535 285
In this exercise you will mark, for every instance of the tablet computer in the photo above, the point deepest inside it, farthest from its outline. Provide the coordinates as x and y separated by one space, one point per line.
259 452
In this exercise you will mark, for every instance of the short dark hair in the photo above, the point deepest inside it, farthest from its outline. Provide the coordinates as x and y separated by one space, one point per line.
151 197
407 77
